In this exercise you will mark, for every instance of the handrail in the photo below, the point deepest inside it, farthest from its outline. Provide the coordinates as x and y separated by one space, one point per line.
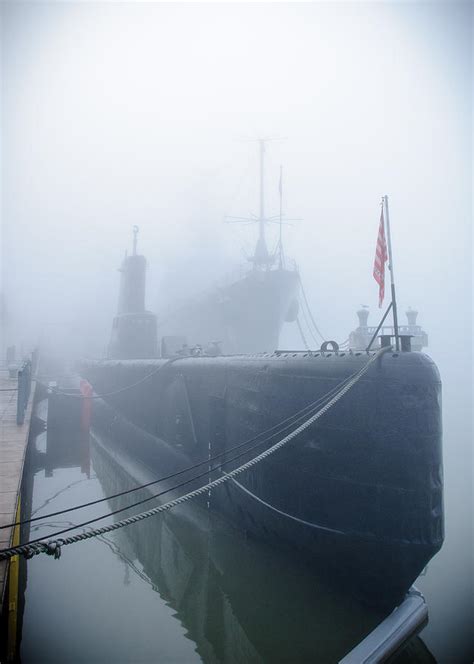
392 633
412 329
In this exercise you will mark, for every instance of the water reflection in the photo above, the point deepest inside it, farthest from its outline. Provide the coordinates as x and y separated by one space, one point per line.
179 587
238 601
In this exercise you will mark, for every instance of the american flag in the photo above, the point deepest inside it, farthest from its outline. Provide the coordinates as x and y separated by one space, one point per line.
380 259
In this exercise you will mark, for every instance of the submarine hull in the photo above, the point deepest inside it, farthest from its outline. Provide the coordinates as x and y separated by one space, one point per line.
358 494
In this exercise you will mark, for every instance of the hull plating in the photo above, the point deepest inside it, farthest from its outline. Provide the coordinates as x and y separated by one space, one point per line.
359 493
246 316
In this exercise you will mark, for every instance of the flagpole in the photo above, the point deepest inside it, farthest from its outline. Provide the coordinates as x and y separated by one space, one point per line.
392 279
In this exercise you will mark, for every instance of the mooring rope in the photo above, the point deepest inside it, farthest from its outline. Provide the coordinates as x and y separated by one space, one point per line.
308 325
276 429
206 473
309 309
303 338
54 547
55 390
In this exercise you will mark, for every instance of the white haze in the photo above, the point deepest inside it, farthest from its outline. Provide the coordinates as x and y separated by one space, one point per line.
116 114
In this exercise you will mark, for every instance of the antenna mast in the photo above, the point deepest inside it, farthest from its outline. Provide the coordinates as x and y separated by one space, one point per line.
261 252
261 257
135 234
262 183
280 243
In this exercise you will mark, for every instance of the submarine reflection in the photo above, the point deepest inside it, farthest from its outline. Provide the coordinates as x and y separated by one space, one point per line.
235 599
238 600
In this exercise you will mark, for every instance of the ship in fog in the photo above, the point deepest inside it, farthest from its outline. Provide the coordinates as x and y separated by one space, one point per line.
245 314
348 476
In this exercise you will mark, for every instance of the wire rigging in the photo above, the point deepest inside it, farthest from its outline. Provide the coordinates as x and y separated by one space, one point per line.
121 389
277 428
308 325
53 547
309 309
300 329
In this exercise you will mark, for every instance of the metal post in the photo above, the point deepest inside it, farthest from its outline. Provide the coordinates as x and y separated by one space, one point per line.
261 251
281 210
392 633
262 183
28 382
20 398
392 279
135 233
23 394
380 325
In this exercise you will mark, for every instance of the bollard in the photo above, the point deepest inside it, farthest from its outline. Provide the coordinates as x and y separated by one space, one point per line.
385 340
406 342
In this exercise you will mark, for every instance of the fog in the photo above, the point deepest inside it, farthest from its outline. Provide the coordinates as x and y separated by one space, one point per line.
114 114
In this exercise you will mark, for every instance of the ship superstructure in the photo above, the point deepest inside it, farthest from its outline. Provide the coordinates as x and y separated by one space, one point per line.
246 315
361 337
133 328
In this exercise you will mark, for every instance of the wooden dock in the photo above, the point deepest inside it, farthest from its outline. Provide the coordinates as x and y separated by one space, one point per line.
13 442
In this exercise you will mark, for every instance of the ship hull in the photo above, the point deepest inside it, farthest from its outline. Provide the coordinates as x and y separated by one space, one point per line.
268 298
358 494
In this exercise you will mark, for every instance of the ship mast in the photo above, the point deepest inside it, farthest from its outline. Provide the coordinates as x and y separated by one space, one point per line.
262 182
135 234
261 256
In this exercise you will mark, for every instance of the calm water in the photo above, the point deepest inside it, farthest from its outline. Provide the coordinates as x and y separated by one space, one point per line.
181 587
449 583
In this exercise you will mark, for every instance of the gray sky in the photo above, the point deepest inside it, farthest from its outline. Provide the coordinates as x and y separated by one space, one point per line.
123 113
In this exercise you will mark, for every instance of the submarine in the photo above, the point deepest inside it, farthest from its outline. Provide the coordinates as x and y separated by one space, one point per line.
357 492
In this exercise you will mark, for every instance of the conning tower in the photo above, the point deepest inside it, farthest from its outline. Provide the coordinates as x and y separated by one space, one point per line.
134 328
132 281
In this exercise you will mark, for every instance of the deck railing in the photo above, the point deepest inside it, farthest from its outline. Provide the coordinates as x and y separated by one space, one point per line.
414 330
